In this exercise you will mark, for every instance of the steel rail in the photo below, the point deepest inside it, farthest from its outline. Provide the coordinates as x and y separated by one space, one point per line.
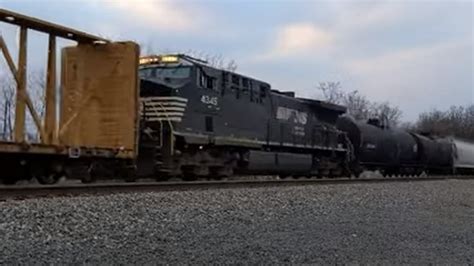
38 191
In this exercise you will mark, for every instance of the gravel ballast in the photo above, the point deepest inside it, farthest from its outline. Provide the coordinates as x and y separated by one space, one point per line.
386 223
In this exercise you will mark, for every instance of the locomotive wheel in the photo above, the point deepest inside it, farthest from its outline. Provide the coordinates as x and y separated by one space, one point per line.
163 177
129 175
215 173
190 177
189 173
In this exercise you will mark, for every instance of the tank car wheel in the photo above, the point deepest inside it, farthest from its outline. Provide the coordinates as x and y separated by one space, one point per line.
324 173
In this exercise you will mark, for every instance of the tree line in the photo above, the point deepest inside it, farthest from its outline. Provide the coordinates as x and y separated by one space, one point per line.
457 121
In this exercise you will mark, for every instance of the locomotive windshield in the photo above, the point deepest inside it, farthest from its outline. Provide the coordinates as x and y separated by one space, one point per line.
180 72
171 76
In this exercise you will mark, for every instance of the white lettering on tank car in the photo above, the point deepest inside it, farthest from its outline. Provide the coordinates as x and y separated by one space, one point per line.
295 116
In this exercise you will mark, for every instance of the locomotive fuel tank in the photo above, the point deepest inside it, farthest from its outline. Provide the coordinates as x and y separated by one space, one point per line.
279 162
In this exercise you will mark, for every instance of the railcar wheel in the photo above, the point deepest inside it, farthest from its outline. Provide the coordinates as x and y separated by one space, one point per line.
91 174
50 174
48 178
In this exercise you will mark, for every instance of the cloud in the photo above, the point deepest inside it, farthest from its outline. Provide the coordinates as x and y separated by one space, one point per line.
156 14
337 36
418 78
363 16
349 26
297 39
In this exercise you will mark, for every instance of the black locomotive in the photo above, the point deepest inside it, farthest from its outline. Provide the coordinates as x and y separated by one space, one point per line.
201 121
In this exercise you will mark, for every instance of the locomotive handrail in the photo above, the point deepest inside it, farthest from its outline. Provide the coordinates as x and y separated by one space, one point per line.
167 119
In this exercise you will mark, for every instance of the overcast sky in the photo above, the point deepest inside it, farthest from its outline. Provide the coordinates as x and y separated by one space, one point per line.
416 54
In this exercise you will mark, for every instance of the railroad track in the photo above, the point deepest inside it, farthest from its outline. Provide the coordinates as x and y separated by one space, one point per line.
37 191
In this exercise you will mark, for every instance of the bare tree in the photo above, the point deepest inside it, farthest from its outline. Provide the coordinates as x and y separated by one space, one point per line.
358 105
386 112
214 60
36 84
456 121
332 91
7 105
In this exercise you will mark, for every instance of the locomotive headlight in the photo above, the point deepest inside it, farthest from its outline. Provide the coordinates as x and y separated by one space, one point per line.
146 60
156 59
169 59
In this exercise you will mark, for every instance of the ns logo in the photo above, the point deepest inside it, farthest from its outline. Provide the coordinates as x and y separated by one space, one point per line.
292 115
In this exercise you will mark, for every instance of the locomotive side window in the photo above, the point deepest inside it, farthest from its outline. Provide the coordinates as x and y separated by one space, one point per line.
236 90
252 96
236 80
210 84
206 81
262 93
245 82
225 82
